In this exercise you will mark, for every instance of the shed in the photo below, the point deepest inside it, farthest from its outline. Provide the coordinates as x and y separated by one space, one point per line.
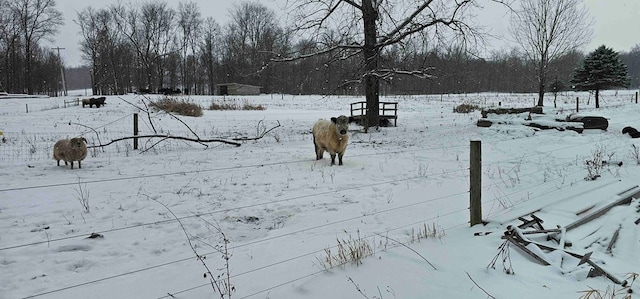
237 89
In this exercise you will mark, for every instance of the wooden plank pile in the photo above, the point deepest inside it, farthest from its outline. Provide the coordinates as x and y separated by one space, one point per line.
537 241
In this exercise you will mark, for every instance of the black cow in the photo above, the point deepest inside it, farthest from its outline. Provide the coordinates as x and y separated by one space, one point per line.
94 101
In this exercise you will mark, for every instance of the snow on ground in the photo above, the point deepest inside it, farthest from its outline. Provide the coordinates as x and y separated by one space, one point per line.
282 212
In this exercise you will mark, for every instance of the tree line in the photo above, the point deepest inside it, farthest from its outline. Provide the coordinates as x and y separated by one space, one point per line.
150 46
26 66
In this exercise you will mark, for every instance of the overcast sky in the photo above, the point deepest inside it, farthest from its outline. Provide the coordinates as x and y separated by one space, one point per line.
616 21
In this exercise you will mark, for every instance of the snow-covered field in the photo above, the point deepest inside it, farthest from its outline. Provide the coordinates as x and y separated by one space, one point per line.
282 213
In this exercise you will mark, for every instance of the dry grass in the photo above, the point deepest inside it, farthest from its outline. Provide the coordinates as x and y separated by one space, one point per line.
426 232
466 108
352 250
177 106
622 292
231 105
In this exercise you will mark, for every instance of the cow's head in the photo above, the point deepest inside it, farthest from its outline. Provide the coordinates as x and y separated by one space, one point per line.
342 125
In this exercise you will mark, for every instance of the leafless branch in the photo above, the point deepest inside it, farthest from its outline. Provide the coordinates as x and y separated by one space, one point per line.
216 285
167 137
357 288
90 128
406 22
259 136
146 109
387 73
404 30
414 251
474 282
182 122
317 53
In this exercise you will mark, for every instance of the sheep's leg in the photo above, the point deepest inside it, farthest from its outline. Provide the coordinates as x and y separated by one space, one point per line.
71 164
333 159
80 166
340 158
58 162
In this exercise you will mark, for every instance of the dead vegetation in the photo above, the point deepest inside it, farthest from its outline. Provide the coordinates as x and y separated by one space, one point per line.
225 105
174 105
466 108
350 250
169 102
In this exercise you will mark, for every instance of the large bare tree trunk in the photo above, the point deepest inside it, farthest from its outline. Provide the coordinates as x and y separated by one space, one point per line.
371 80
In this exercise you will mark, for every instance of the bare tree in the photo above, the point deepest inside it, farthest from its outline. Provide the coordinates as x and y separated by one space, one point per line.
150 30
251 37
190 22
210 51
37 19
367 27
548 29
103 46
10 44
632 60
90 45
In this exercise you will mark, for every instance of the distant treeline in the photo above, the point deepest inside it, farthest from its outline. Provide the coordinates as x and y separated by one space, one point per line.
151 46
451 74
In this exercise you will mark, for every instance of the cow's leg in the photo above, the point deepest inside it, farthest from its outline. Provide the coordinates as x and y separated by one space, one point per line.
319 150
319 153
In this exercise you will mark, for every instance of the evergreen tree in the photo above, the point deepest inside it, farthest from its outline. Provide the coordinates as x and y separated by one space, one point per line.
601 69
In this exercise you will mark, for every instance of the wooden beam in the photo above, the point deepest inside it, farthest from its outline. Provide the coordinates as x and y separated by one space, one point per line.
623 200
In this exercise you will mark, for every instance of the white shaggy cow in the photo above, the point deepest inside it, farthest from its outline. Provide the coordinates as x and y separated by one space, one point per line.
331 136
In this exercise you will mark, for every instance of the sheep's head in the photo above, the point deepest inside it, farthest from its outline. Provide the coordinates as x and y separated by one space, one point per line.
342 125
77 142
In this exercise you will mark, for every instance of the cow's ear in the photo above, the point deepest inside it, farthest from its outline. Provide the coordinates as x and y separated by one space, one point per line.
334 120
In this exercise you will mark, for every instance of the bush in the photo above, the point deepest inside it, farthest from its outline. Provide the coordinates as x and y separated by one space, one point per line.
234 106
466 108
248 106
177 106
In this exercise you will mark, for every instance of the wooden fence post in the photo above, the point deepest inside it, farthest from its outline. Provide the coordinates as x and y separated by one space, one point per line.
135 131
475 178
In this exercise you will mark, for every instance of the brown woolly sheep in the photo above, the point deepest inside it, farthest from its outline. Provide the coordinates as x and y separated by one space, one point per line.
331 136
69 150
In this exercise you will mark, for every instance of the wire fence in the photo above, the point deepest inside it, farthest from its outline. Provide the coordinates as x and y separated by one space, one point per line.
257 243
21 146
28 147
